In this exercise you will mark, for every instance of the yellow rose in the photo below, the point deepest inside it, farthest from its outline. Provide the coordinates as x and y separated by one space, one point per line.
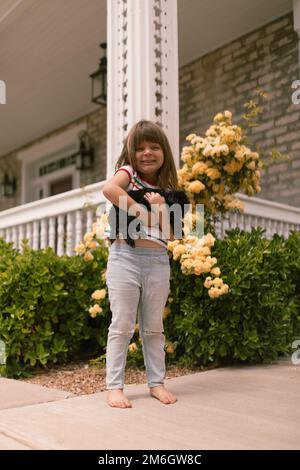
213 292
208 282
94 310
216 271
196 187
190 137
217 282
205 251
99 294
88 237
227 136
88 256
183 173
213 173
169 347
198 267
219 117
199 168
132 347
173 244
209 240
91 244
80 248
178 251
251 165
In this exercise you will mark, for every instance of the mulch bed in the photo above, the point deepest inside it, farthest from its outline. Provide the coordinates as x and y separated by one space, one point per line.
84 379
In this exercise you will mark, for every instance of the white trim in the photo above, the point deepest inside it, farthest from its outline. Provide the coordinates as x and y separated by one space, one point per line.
43 182
52 144
269 209
79 198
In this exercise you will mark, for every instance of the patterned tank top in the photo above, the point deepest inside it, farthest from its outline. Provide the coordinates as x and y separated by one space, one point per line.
135 182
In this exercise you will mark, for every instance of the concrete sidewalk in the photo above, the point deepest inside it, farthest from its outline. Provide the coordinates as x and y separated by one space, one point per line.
232 408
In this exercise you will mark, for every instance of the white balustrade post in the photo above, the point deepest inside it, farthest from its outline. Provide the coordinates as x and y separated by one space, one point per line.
70 237
29 233
21 236
15 237
52 232
43 233
8 236
61 235
78 231
89 220
36 235
142 71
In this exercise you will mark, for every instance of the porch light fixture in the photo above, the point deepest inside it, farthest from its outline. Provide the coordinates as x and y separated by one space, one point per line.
8 186
85 154
99 82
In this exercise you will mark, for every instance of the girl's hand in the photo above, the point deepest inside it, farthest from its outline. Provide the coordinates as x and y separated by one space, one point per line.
154 198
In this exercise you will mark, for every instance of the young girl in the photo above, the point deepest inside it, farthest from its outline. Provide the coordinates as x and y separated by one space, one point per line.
138 278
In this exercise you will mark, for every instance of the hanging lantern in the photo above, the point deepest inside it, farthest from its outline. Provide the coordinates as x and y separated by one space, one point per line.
99 80
8 186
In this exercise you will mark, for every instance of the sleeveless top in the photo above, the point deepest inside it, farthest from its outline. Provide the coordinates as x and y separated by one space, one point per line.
135 182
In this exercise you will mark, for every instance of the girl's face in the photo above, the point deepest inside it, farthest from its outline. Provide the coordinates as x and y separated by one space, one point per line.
149 158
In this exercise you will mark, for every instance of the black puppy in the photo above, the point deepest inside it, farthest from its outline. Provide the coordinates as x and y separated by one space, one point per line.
171 197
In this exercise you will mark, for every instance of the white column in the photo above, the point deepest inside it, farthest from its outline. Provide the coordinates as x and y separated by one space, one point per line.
142 71
296 9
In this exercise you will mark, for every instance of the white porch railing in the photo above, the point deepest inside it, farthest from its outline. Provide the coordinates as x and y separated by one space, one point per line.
61 221
269 215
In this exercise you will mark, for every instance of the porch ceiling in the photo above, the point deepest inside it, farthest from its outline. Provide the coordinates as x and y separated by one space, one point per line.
48 48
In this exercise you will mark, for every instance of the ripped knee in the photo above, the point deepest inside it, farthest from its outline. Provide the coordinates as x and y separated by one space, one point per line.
151 332
128 333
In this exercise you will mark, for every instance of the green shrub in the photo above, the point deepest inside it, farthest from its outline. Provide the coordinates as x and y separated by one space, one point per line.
257 320
44 302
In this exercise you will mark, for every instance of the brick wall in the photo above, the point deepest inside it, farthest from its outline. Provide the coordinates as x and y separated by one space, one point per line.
226 78
96 126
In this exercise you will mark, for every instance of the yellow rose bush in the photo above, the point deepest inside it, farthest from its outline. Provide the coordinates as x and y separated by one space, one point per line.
217 166
194 256
91 241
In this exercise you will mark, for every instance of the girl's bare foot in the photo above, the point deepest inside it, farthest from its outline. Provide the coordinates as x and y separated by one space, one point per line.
117 399
163 395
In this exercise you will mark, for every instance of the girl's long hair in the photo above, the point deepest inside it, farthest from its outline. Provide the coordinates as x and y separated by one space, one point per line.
150 132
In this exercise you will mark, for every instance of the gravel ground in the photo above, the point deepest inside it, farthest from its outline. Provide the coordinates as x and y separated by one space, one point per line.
84 379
